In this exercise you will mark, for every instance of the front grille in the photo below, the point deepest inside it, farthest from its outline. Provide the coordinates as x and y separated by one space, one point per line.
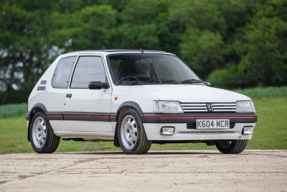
213 107
193 125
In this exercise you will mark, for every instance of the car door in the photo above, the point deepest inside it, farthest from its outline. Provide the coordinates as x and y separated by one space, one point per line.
54 98
87 110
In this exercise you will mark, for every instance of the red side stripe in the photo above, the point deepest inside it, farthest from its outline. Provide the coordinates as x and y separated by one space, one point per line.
198 117
85 116
55 115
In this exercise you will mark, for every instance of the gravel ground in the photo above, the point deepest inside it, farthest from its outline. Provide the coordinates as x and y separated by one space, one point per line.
252 170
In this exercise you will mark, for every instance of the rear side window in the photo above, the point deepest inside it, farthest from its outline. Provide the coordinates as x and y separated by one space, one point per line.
62 73
88 69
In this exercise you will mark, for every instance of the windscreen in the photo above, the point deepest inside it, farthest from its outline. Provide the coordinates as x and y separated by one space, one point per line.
148 69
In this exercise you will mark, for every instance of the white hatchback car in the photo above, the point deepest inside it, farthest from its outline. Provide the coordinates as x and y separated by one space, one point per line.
135 99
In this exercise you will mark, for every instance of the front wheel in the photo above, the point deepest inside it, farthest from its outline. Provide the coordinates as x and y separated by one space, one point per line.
131 133
231 147
43 139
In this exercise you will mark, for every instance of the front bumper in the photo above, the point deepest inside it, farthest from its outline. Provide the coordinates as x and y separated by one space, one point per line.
153 132
185 131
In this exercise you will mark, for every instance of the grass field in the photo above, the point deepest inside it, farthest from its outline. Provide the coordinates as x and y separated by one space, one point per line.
270 132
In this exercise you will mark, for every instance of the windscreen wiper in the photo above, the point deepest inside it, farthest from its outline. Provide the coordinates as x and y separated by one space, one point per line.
158 80
188 81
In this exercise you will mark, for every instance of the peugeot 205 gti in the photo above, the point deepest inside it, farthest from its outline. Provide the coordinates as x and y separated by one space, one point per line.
135 99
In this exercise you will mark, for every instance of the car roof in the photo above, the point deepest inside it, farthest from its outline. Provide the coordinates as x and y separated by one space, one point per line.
117 50
112 51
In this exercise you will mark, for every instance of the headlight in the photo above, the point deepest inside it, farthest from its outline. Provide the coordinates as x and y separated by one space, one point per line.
167 107
245 107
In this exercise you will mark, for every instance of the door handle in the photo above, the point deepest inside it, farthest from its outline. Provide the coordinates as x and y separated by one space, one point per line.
69 95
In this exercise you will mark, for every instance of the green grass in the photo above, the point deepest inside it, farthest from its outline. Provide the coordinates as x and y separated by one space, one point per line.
270 133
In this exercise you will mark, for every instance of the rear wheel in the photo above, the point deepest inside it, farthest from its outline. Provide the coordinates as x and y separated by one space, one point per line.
231 147
43 139
131 134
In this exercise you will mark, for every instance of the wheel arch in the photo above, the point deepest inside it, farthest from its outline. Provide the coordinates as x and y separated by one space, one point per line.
130 104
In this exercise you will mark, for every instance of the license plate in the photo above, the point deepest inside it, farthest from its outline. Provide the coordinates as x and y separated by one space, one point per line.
212 123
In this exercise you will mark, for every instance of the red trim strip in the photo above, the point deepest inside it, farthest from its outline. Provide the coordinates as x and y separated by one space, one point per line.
199 117
113 116
86 116
55 115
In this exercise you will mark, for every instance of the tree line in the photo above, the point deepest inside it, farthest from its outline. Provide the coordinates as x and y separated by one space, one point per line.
230 43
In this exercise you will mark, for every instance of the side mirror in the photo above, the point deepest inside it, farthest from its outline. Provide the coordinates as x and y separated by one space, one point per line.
207 84
98 85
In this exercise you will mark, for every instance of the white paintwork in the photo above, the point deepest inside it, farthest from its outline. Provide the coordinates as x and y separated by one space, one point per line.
89 126
87 135
87 100
52 98
184 93
103 101
59 125
137 94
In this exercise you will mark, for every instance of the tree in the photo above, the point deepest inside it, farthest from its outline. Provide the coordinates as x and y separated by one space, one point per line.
24 46
259 49
265 58
88 28
202 50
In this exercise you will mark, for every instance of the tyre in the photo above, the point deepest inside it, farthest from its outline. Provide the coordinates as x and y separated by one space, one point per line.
131 133
43 139
231 147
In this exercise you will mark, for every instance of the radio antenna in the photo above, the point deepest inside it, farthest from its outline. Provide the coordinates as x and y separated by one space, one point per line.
128 35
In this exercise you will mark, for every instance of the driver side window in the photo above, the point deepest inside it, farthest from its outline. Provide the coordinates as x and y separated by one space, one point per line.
88 69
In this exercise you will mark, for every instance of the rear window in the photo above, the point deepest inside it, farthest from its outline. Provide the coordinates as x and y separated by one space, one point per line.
62 73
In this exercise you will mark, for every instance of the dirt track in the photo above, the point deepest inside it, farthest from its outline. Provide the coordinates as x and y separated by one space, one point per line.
157 171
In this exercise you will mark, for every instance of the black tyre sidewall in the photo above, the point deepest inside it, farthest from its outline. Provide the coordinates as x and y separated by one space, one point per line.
236 147
140 129
225 150
49 131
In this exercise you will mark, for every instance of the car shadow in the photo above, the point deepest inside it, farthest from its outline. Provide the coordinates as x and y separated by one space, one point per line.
149 153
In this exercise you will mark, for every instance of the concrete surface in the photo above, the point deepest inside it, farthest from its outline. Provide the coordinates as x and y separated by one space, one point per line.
252 170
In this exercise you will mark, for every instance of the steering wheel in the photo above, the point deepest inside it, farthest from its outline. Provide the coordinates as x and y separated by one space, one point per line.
127 78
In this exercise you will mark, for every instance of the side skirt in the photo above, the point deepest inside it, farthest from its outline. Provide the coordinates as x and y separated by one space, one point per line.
104 136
